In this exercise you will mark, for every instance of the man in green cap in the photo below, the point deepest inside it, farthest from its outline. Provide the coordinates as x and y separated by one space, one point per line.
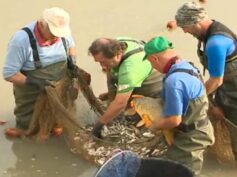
217 51
185 105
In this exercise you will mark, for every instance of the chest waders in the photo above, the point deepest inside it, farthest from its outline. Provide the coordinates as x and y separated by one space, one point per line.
151 86
226 94
194 134
26 95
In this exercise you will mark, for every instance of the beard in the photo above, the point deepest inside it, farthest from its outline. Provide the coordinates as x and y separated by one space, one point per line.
113 64
199 36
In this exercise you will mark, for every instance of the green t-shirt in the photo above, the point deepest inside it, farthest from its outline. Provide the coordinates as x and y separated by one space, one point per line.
133 70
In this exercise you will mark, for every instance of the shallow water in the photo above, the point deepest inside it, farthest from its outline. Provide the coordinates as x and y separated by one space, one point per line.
90 19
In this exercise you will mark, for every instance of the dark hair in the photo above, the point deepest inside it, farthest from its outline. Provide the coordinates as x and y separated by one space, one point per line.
108 47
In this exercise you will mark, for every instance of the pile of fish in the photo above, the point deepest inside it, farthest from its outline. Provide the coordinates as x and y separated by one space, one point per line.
119 135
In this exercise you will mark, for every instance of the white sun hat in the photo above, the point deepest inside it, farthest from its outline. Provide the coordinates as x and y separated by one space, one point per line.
58 21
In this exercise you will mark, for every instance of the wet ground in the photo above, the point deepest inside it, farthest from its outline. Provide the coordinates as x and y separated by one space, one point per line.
49 159
27 158
90 19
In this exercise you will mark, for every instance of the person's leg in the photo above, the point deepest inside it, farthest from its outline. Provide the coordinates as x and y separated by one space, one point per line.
25 98
189 155
188 148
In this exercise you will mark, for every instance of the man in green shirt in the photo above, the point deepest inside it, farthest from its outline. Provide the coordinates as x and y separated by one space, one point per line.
127 74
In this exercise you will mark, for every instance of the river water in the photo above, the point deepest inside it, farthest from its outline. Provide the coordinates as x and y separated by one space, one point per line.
90 19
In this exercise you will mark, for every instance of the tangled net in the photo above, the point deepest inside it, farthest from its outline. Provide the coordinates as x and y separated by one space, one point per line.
57 104
57 107
222 148
117 136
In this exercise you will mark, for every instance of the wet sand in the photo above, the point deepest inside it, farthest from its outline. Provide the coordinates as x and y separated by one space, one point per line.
90 19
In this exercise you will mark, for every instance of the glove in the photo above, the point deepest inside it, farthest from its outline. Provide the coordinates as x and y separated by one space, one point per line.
40 83
71 66
104 96
97 129
70 63
74 69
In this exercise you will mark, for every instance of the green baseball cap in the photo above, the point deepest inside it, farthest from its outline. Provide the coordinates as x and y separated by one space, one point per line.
157 45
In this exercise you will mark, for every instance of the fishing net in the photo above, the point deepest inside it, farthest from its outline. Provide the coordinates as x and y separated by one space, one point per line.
72 106
222 149
129 164
223 129
57 104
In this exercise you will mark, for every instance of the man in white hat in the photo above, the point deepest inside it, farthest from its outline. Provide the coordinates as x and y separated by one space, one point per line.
218 56
36 56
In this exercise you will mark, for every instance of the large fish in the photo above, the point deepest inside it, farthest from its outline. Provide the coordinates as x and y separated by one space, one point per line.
150 110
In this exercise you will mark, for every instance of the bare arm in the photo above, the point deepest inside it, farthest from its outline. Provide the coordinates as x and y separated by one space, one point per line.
213 83
116 107
72 51
17 79
20 79
167 122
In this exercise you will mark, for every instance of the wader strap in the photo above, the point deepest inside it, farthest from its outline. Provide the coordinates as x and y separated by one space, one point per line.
69 58
132 52
201 56
193 126
65 45
188 71
231 59
34 48
132 40
137 50
198 71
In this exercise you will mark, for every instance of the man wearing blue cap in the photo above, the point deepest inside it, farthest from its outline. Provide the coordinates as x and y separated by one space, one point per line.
185 105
